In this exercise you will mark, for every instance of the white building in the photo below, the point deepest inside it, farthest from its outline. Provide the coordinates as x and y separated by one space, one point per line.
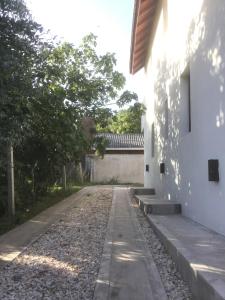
181 45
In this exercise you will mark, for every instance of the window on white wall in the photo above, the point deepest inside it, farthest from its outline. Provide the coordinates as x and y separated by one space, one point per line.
185 105
153 140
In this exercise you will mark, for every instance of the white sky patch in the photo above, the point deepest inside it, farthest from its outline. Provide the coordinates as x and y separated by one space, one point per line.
71 20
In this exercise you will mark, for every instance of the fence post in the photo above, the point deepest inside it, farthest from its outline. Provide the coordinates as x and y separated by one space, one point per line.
81 173
11 187
64 177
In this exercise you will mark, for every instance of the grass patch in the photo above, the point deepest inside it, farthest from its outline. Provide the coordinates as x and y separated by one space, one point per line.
55 195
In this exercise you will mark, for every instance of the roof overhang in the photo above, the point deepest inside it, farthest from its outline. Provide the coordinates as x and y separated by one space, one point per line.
124 149
119 151
144 19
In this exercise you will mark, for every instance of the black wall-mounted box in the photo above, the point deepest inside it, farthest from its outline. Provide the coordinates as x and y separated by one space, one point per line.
147 168
213 170
162 168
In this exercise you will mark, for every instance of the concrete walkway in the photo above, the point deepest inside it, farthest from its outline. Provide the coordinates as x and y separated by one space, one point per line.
198 252
15 241
127 270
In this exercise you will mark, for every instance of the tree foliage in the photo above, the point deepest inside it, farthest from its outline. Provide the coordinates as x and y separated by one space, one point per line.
19 43
124 121
47 93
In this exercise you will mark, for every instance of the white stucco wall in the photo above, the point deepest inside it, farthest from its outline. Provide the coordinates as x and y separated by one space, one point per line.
196 36
124 168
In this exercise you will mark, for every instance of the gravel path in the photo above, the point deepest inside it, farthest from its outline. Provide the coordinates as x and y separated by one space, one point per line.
64 262
175 287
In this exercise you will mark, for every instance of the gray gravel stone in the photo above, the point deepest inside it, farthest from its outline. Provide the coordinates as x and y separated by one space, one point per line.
175 287
64 262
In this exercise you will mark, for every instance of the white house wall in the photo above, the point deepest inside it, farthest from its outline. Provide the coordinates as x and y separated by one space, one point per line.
123 168
195 36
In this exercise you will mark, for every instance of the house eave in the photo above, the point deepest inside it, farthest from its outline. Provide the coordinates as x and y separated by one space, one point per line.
124 149
143 29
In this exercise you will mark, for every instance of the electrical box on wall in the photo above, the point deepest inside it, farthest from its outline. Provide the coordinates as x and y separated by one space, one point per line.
213 170
162 168
147 168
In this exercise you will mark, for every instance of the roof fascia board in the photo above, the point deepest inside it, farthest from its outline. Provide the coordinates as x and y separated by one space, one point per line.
134 65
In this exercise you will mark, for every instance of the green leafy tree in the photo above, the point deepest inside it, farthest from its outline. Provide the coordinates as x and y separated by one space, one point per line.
124 121
19 43
73 85
100 146
126 98
46 93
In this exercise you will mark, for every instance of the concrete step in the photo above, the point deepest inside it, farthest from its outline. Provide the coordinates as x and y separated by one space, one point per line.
142 199
152 205
198 252
142 191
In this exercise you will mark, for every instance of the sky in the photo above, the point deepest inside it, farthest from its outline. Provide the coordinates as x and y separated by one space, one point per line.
110 20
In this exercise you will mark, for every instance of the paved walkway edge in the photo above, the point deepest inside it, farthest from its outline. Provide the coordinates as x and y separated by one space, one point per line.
102 284
15 241
102 287
202 285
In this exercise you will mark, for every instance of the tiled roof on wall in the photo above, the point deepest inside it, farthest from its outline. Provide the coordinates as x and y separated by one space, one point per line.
131 140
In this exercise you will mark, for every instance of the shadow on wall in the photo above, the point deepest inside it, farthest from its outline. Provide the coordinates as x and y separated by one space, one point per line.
206 47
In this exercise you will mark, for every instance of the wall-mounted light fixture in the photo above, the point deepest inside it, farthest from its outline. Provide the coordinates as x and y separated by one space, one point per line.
147 168
162 168
213 170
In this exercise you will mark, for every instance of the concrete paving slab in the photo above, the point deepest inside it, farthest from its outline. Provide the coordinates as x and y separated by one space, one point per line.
18 239
127 271
152 204
142 191
199 254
